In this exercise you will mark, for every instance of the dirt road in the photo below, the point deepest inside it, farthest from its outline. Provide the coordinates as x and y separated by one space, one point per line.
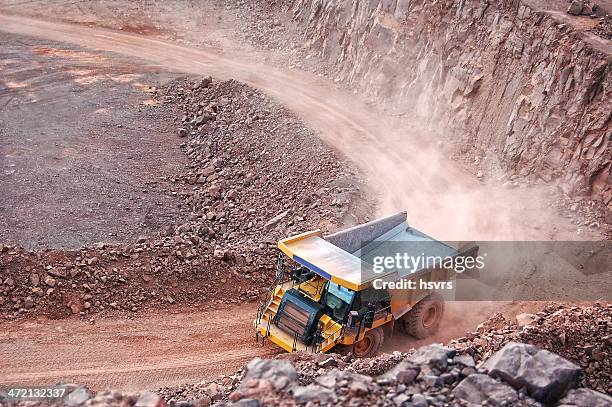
167 348
155 350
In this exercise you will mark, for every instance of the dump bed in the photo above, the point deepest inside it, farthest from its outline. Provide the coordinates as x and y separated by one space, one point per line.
345 257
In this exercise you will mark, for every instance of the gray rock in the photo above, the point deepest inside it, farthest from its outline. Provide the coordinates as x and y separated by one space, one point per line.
404 372
575 8
465 360
586 397
330 379
400 399
313 393
447 378
431 380
279 372
480 388
433 355
545 375
78 396
247 403
149 399
418 400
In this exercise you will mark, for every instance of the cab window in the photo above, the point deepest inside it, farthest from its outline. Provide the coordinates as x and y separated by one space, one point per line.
338 299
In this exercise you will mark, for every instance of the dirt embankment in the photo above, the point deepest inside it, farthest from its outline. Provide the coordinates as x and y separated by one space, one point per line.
522 93
255 174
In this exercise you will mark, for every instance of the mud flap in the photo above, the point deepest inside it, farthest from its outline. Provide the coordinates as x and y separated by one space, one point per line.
388 328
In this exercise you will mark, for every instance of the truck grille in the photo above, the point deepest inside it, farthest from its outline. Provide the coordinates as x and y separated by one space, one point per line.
298 315
293 320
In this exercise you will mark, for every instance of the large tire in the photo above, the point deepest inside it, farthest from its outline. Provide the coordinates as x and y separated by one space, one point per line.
369 344
424 318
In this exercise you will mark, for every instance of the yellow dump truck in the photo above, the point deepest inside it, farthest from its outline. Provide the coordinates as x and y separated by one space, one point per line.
327 294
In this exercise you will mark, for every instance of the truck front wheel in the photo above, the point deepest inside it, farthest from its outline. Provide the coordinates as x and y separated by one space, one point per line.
369 344
424 318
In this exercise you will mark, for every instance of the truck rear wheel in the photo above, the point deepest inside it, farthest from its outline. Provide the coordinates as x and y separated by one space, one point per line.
369 344
424 318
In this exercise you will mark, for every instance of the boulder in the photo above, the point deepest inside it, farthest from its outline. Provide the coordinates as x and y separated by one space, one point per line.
481 389
149 399
78 396
575 8
545 375
433 355
279 372
418 400
313 393
331 379
585 397
465 360
523 320
405 372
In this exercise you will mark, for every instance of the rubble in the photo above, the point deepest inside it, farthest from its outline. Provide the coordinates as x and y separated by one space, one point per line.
581 335
345 386
285 381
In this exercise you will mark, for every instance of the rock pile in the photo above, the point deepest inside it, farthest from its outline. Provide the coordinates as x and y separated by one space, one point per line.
582 335
518 375
121 278
77 395
256 174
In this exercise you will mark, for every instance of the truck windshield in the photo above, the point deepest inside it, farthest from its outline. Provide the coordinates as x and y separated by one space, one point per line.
338 298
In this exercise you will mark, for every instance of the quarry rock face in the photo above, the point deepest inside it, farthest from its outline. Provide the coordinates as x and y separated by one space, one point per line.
503 76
